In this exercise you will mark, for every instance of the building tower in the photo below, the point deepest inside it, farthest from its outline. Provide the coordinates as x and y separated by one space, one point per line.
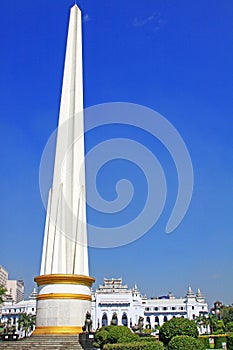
3 276
64 293
15 289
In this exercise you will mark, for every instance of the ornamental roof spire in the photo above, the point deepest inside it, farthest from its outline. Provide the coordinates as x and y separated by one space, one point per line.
190 293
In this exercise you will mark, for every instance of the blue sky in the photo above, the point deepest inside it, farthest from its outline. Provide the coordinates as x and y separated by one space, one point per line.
172 56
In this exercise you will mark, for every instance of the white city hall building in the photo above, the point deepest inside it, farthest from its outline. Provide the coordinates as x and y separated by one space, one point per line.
115 300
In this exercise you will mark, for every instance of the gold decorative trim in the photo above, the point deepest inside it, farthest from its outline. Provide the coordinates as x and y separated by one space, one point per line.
64 279
43 330
63 296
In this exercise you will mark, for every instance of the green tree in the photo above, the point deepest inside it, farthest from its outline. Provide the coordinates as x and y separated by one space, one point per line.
212 322
177 326
230 343
26 322
202 322
229 327
227 314
2 293
184 342
220 327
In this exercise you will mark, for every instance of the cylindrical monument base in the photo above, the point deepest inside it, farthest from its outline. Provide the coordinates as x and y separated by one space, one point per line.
62 303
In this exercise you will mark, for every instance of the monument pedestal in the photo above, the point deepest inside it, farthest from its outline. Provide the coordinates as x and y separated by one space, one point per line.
62 303
86 340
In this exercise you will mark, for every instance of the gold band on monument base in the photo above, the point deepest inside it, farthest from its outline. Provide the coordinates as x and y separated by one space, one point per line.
63 296
64 279
43 330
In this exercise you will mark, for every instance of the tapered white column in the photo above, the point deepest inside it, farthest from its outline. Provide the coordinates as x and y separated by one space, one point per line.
64 282
69 171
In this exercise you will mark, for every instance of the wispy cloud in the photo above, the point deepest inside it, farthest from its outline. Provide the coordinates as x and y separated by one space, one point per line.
86 18
155 18
142 22
215 276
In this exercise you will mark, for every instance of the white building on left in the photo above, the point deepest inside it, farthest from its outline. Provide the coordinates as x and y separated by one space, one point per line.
11 311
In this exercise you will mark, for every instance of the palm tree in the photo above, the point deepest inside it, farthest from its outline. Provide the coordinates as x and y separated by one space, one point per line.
206 323
213 322
202 322
26 322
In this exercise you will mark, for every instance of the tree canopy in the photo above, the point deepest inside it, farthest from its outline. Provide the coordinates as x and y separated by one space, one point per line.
177 326
2 293
227 314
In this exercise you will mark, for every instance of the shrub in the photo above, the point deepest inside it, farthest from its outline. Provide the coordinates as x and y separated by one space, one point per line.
120 334
230 342
114 334
177 326
229 327
205 342
218 342
184 342
141 345
100 338
148 339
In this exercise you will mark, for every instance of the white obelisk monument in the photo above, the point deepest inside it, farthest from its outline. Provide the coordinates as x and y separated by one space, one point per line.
64 284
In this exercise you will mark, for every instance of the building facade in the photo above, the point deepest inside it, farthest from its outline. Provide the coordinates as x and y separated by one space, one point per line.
3 281
15 289
113 300
11 311
3 276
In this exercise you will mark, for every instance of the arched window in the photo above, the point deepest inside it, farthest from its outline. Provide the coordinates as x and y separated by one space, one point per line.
124 319
156 320
165 319
114 319
104 320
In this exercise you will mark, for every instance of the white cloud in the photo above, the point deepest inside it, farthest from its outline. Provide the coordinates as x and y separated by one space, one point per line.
155 18
86 18
141 22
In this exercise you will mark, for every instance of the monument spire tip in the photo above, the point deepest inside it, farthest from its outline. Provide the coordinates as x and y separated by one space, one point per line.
76 6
